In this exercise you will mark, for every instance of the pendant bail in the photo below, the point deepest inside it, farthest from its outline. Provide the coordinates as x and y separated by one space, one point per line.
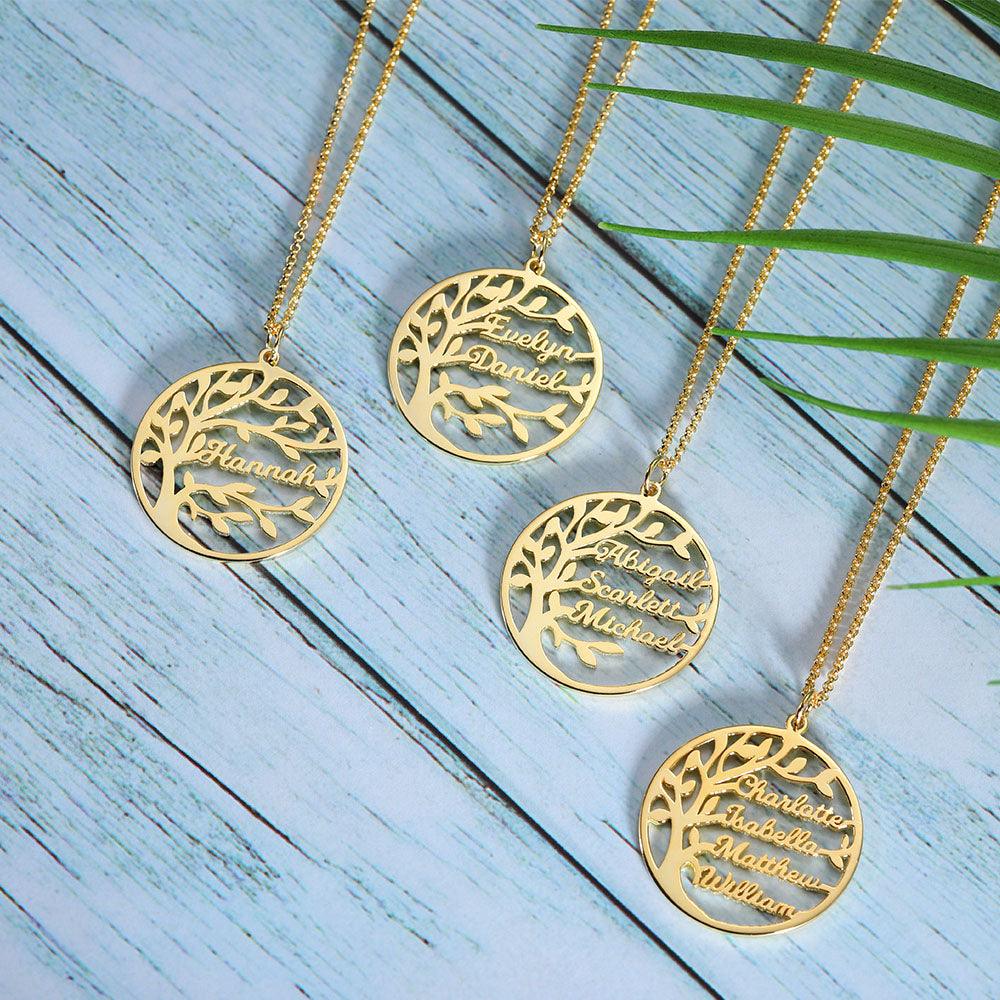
536 262
272 338
798 721
656 476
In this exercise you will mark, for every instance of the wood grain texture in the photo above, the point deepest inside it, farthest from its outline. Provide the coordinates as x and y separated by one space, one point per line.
333 773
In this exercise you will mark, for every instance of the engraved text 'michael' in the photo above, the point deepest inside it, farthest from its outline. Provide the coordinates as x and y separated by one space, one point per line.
601 619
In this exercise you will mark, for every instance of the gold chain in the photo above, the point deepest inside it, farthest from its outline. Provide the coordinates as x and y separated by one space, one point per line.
285 302
666 460
811 697
541 235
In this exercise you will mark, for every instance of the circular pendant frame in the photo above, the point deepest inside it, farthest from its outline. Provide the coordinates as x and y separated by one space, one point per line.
193 432
612 530
778 802
480 322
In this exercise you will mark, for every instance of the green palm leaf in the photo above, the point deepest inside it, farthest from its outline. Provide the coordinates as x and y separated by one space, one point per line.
954 90
988 10
942 255
971 353
981 431
953 581
872 131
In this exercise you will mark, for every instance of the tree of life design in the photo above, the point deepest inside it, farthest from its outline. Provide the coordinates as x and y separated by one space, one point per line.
245 446
642 589
751 829
495 365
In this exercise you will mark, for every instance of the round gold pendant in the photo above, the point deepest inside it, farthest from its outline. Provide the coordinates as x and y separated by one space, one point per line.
751 829
495 365
609 592
239 461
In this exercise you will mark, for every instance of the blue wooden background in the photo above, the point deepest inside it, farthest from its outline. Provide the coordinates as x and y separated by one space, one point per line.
333 774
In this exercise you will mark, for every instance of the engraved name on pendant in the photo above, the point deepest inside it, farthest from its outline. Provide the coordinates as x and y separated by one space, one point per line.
239 461
495 365
751 829
609 592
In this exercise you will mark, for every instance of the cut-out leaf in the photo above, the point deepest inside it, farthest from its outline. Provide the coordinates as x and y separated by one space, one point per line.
793 767
220 525
568 571
217 495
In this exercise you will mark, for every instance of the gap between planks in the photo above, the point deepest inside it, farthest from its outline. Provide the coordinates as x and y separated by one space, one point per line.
474 771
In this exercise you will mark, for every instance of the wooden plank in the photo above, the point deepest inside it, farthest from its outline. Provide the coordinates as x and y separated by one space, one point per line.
100 290
897 300
136 859
651 167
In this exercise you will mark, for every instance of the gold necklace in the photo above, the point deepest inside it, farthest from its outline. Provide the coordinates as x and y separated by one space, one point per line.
528 357
646 592
754 829
245 460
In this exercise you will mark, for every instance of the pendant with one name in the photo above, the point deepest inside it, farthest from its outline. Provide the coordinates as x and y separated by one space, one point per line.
239 461
609 592
495 365
751 829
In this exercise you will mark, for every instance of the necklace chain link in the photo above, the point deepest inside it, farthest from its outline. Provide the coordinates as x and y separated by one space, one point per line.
666 460
542 235
669 454
286 301
811 696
